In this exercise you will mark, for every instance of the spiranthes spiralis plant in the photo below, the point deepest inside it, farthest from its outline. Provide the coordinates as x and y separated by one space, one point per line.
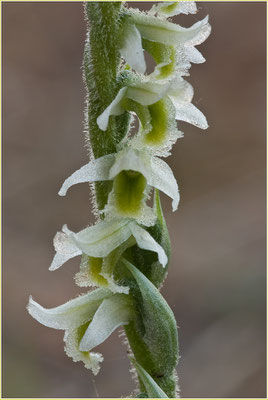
125 255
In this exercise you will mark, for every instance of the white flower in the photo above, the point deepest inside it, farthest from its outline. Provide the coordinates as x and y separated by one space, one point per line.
101 239
157 104
144 91
88 320
140 26
131 170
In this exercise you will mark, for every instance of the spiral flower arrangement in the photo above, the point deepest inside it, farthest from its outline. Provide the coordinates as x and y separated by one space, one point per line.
125 255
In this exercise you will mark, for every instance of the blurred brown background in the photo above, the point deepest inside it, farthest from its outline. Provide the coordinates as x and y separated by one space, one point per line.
216 283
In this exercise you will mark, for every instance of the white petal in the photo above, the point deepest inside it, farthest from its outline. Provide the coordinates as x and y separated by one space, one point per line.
65 250
189 113
100 239
60 259
146 241
131 159
202 31
113 312
96 170
181 92
193 55
91 360
163 179
70 315
113 109
132 50
162 31
148 92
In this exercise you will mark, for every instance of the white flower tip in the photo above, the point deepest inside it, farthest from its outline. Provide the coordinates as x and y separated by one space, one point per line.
53 266
33 308
62 191
175 203
30 301
203 124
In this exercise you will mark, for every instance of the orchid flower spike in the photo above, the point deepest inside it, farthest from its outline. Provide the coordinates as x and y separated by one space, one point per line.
124 255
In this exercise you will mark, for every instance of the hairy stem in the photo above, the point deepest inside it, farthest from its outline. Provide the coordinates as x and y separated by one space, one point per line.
101 67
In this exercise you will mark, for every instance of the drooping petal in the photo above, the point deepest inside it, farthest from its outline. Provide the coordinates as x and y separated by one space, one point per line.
70 315
113 109
96 170
132 50
112 313
146 241
65 250
100 239
162 178
72 340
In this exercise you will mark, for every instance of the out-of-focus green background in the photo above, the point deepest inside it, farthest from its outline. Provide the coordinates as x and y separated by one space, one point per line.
216 283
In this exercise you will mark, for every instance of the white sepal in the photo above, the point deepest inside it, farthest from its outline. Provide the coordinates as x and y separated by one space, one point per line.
70 315
132 50
112 313
100 239
96 170
65 249
181 96
146 241
162 178
113 109
189 113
